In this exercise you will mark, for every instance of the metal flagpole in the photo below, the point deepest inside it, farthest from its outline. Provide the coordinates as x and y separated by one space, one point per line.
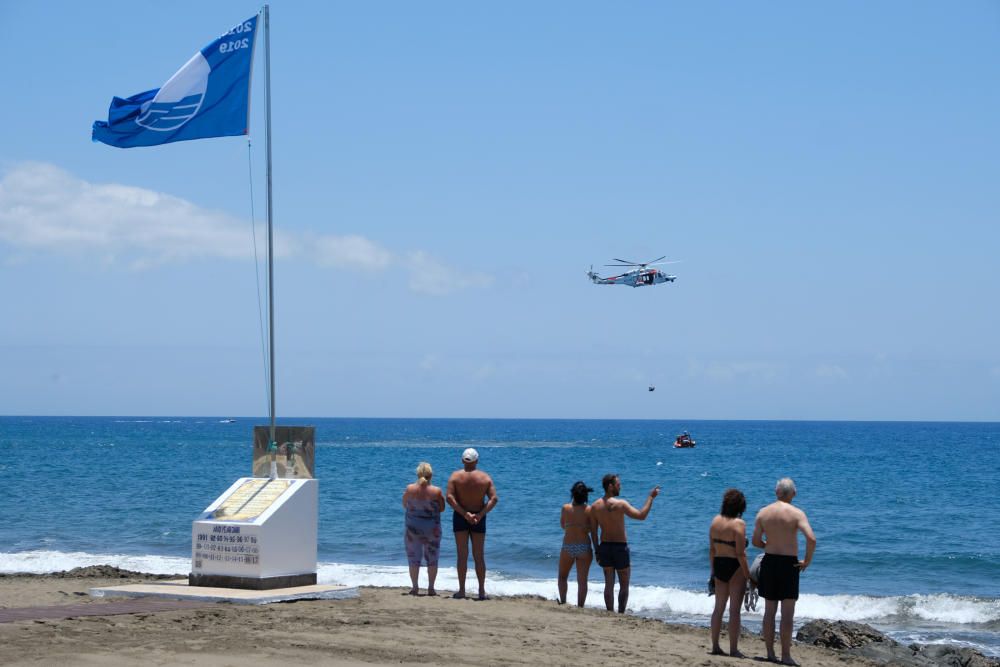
270 228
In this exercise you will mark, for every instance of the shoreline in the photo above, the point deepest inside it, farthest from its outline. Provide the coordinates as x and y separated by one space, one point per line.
381 626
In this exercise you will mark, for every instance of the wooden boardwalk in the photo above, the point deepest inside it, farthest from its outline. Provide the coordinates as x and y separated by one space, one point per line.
114 608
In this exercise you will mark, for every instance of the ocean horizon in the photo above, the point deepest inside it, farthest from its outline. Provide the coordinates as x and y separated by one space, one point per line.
897 506
296 420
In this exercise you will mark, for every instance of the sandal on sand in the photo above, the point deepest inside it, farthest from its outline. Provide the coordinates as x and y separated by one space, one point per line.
431 593
458 596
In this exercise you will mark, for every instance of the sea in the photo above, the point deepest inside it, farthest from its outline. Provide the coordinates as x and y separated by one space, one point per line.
905 513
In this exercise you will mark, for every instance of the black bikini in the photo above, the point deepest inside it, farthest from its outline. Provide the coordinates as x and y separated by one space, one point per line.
731 543
724 567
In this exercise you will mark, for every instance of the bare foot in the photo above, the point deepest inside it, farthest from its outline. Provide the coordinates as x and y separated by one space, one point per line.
483 596
736 654
716 651
458 596
789 661
413 591
431 592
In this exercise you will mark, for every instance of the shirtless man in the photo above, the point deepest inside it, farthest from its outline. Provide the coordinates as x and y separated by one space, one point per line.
472 495
780 568
609 514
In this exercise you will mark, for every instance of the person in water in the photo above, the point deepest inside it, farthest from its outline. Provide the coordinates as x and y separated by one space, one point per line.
577 547
472 495
776 531
424 503
608 514
727 554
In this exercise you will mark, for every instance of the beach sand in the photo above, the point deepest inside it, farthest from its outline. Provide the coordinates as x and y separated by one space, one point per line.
381 626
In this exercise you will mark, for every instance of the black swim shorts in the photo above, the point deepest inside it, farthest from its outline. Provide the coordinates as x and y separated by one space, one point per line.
613 554
779 578
458 524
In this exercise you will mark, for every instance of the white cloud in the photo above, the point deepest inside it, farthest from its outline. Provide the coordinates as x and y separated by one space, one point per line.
755 370
351 252
429 362
485 371
428 276
46 209
831 372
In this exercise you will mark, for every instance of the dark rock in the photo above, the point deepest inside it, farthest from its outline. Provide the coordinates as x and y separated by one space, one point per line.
839 635
106 572
954 656
893 654
864 640
94 572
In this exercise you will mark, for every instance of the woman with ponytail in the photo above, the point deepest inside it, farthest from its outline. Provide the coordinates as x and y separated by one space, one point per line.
424 503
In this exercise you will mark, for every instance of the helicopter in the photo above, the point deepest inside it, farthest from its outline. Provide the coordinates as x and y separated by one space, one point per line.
636 277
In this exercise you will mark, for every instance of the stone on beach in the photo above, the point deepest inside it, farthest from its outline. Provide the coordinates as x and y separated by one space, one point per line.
865 641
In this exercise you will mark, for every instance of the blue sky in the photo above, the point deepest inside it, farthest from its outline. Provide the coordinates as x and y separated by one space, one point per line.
446 173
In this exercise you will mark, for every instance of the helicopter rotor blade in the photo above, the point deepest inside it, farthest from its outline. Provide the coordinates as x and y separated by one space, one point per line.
625 262
675 261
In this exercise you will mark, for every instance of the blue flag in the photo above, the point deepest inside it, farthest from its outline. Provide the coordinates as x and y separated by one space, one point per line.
208 97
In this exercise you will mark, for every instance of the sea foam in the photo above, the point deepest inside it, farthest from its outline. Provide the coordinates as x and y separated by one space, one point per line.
659 601
40 562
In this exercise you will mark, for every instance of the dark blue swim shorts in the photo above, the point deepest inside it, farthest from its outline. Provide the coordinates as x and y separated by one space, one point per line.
613 554
458 524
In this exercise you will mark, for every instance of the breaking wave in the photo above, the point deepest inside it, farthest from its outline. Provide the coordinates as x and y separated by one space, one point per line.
659 601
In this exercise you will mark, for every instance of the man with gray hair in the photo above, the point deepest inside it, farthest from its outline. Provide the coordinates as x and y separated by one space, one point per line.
472 495
776 530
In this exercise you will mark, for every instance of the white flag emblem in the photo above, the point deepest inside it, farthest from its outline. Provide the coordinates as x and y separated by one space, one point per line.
179 99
